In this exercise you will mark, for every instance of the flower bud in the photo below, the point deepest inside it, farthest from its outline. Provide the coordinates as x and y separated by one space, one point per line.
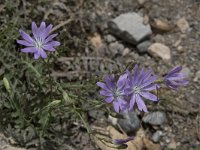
6 84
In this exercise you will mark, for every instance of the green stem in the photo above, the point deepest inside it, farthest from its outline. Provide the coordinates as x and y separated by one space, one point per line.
84 122
159 81
48 66
17 109
32 68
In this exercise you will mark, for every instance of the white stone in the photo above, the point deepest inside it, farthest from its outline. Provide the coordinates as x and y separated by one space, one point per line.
183 25
160 50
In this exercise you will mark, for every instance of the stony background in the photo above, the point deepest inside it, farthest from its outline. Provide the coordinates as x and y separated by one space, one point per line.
103 35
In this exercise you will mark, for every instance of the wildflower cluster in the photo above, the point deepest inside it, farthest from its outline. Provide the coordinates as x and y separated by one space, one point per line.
130 89
133 88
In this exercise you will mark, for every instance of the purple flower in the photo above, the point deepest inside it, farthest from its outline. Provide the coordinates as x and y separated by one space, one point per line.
138 85
114 91
122 141
174 79
40 42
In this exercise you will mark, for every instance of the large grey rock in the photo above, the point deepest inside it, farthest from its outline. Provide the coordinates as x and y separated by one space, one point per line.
130 123
130 28
155 118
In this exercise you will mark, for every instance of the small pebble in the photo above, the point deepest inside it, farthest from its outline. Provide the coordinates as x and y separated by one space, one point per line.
187 71
116 48
143 47
160 50
156 136
197 76
159 38
126 51
167 140
130 123
155 118
180 48
109 38
141 2
183 25
172 145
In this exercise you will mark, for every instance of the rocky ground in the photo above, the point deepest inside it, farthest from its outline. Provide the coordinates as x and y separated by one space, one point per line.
103 35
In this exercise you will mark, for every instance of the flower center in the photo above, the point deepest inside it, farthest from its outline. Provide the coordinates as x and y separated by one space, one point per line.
38 43
136 89
117 93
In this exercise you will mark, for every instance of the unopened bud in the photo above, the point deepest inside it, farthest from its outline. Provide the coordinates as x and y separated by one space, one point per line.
6 84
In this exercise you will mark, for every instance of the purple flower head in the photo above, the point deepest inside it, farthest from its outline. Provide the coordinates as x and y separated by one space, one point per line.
139 84
114 92
174 79
122 141
41 41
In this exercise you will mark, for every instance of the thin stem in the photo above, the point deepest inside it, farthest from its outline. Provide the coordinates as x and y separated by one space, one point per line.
32 68
84 122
